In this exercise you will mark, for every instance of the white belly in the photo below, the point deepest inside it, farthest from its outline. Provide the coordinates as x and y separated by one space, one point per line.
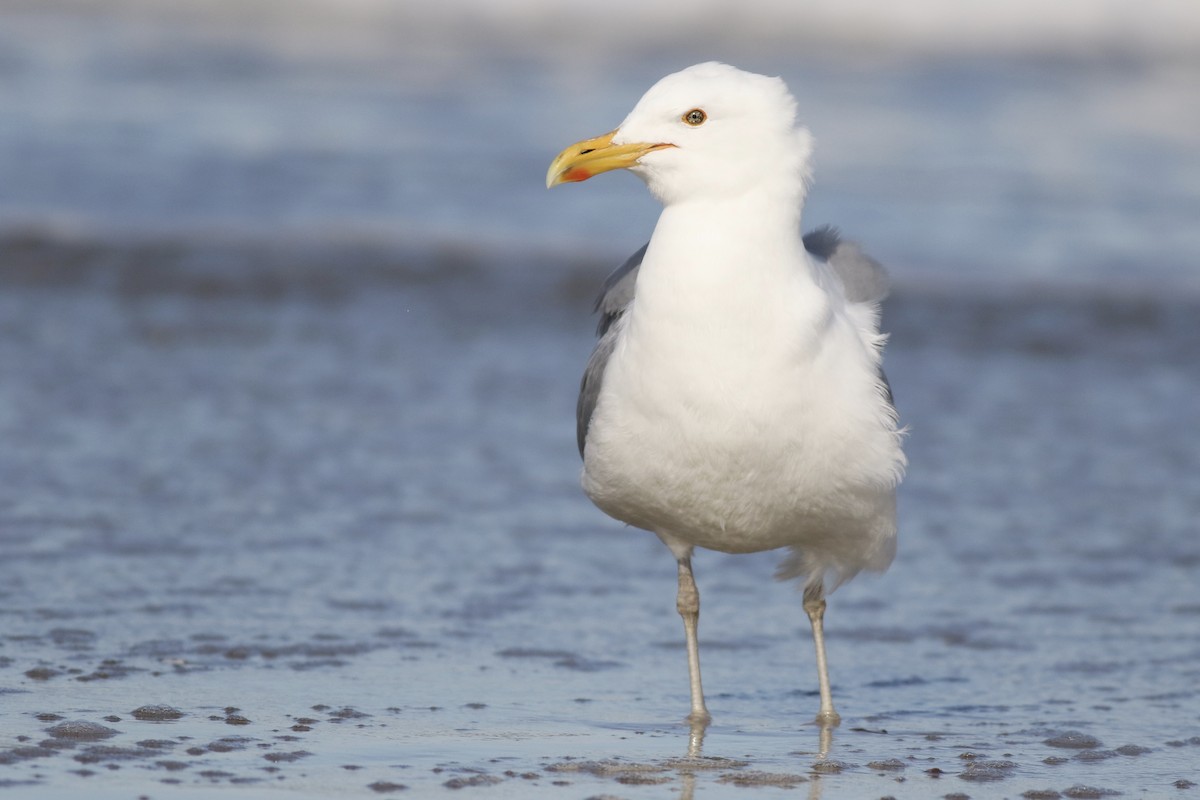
747 442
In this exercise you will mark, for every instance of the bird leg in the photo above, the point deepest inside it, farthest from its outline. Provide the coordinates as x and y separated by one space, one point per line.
814 606
688 603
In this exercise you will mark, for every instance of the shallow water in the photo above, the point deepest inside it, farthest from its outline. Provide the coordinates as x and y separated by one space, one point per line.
329 513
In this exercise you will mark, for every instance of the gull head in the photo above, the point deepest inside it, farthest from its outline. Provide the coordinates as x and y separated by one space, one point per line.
711 130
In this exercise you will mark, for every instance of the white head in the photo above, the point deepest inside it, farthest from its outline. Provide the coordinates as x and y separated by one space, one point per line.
709 130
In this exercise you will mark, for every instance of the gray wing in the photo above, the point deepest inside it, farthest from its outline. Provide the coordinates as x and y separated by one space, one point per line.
864 280
618 291
863 277
611 304
589 387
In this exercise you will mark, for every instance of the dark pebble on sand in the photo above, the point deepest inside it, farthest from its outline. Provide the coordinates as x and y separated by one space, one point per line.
1041 794
41 673
1081 792
1132 750
385 786
347 713
156 713
33 752
985 771
474 780
214 774
1183 783
103 754
750 778
1073 740
639 779
295 755
887 764
228 744
829 766
81 731
55 744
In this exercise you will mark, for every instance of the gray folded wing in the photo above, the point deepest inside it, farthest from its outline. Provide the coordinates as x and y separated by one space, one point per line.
618 290
864 279
614 298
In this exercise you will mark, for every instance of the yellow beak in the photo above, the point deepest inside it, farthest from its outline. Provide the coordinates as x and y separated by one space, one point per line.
590 157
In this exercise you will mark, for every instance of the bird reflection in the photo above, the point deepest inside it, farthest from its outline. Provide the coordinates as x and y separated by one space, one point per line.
696 738
694 763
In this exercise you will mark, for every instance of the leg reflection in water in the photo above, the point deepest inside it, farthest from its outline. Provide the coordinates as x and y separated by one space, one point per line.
730 771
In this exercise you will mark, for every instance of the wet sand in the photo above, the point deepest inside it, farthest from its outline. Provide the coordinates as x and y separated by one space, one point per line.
308 520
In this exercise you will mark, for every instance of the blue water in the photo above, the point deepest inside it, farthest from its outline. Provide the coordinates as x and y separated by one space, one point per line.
995 169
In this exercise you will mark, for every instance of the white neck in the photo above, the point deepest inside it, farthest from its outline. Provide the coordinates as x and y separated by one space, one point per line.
699 287
703 244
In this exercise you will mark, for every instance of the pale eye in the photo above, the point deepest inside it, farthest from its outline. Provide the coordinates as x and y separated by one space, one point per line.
695 117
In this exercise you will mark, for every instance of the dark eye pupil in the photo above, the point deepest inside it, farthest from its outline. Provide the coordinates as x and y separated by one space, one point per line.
695 116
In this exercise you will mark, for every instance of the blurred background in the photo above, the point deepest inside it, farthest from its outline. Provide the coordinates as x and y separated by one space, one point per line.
1021 143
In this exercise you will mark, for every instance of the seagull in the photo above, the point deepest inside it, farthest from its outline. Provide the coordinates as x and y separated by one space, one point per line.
735 399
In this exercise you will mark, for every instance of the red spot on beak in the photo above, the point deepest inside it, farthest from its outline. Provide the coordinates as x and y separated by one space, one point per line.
576 174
